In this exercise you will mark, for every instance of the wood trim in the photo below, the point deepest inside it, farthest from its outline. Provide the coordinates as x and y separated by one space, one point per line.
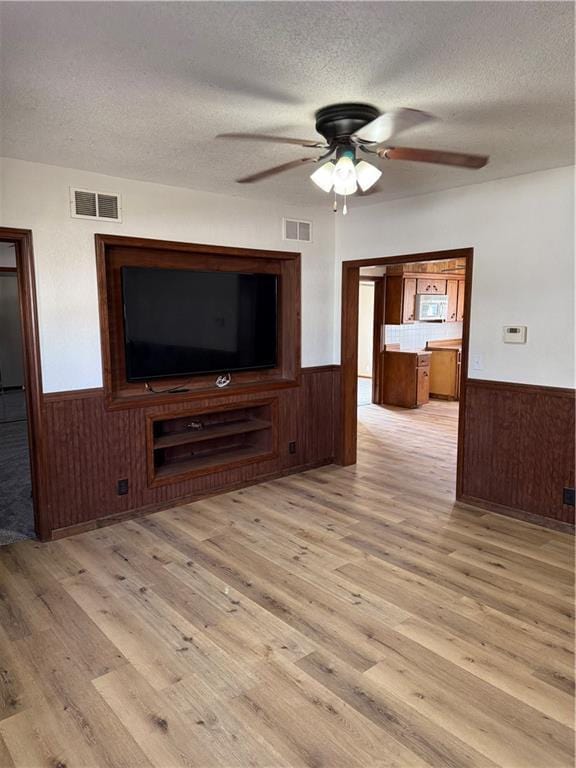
534 389
518 514
463 383
113 252
126 241
9 269
377 352
320 369
349 365
82 394
410 258
349 344
22 238
73 394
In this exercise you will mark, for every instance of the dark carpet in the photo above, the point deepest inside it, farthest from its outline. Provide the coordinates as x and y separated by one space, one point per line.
16 510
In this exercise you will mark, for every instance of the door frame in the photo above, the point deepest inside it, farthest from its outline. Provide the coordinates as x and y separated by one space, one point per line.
349 347
22 239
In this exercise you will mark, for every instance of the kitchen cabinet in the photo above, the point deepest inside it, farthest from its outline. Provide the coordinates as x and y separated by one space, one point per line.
452 293
431 285
445 367
401 292
406 378
460 305
400 306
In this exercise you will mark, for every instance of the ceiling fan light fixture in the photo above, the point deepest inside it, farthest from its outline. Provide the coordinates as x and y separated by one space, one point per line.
367 175
323 177
345 181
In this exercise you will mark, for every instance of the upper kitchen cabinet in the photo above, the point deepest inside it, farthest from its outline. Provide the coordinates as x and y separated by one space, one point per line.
452 293
405 282
460 305
400 306
431 285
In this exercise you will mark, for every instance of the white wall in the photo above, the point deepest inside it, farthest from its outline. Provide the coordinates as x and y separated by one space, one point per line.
36 197
366 328
522 232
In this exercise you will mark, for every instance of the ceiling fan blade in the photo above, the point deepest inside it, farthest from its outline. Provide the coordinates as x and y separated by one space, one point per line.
439 157
276 169
390 124
274 139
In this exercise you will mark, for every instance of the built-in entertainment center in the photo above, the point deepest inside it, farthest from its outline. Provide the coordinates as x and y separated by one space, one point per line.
199 345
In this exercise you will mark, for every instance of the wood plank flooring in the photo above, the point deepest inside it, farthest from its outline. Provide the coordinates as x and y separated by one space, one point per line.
342 618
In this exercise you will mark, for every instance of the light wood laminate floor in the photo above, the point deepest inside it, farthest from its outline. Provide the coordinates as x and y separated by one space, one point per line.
342 618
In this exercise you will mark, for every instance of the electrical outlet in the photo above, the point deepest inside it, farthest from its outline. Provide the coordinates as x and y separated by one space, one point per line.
122 487
292 446
568 497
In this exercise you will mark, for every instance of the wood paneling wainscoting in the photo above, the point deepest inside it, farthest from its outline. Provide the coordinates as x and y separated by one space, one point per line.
89 448
518 450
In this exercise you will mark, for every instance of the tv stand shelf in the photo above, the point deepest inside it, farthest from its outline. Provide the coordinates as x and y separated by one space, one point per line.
211 431
199 443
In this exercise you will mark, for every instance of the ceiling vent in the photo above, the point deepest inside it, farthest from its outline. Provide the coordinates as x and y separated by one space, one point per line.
297 230
102 206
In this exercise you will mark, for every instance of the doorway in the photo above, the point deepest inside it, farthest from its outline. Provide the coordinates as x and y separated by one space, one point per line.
19 390
400 324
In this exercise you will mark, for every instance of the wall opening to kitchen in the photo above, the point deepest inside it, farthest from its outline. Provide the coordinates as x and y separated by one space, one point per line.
405 326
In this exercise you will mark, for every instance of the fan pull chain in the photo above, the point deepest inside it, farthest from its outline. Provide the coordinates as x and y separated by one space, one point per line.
335 204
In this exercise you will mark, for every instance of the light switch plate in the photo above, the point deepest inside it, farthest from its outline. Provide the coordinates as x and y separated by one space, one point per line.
514 334
477 363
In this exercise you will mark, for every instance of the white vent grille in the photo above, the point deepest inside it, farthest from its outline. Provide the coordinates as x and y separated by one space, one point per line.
102 206
297 230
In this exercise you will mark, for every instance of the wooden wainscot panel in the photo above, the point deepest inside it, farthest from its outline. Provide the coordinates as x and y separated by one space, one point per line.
90 447
519 449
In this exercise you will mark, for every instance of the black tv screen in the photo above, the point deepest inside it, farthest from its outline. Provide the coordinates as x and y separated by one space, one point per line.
180 322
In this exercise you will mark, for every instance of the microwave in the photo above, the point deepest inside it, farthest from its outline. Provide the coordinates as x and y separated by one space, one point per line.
431 307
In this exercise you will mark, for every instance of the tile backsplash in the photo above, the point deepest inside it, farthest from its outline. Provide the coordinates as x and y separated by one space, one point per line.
412 336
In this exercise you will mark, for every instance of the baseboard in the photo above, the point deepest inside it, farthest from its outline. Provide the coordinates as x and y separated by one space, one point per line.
518 514
102 522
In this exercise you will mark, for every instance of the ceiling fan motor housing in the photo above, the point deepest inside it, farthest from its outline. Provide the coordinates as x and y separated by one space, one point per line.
338 122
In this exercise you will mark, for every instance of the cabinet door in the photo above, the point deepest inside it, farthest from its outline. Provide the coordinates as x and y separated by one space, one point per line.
423 385
431 285
393 302
452 291
443 373
460 306
409 300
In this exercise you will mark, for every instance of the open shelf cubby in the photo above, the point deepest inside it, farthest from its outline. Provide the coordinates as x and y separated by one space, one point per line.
199 443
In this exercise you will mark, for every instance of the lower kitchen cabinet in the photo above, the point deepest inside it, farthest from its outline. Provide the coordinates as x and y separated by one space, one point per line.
406 378
445 374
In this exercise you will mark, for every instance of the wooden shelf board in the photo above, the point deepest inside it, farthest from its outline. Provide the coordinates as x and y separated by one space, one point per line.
216 459
210 432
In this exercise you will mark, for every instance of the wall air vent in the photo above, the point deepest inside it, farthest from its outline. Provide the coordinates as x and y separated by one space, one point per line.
101 206
297 230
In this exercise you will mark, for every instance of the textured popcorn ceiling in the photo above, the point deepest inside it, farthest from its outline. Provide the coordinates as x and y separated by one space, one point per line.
139 90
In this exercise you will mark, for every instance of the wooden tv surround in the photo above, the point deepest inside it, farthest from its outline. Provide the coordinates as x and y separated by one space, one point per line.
120 451
113 253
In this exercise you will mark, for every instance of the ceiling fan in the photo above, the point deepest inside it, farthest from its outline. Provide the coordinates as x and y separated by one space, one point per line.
348 130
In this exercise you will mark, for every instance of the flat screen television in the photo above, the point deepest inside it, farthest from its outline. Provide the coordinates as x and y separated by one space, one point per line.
180 322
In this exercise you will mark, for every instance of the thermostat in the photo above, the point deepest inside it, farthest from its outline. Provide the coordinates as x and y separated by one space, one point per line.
515 334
